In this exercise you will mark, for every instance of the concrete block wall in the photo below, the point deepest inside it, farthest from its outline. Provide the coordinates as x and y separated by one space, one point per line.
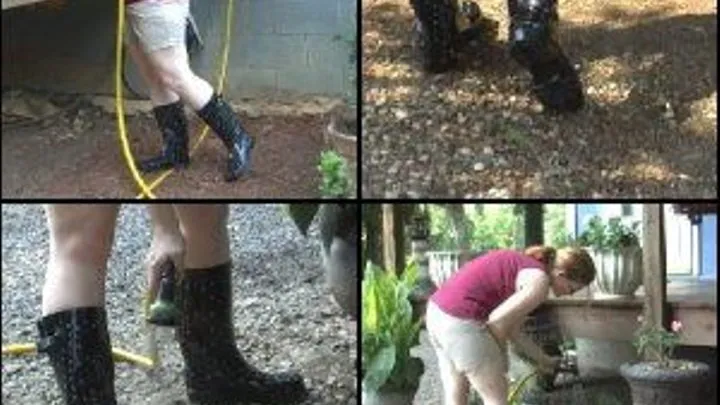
303 47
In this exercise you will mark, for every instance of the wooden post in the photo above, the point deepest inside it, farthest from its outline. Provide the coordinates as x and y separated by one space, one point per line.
371 219
388 237
533 224
654 272
400 215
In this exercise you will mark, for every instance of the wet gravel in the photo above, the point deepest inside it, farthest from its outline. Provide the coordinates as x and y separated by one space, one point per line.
284 317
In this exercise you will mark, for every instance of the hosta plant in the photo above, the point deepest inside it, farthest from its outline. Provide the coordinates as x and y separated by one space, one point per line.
389 331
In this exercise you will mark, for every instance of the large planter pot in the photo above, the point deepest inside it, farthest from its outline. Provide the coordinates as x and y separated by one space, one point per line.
341 132
339 254
650 385
619 274
603 358
387 398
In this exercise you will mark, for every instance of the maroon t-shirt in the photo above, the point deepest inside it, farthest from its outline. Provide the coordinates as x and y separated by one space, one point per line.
482 284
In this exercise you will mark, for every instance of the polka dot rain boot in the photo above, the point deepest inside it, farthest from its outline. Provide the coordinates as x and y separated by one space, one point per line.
78 344
215 371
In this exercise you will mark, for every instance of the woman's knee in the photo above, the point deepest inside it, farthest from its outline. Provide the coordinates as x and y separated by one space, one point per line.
172 69
199 220
491 385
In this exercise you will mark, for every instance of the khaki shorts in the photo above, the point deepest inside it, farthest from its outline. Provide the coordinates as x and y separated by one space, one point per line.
466 344
157 24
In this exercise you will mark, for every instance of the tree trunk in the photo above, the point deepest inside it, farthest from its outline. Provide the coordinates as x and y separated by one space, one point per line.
462 225
373 239
533 224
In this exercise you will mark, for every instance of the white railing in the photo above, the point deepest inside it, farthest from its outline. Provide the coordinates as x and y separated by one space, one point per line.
442 265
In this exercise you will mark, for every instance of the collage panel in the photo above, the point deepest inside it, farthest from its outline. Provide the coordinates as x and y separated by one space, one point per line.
179 99
160 304
539 98
480 302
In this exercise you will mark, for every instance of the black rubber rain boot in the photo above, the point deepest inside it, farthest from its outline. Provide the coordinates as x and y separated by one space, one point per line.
215 371
78 344
219 116
533 44
173 125
435 34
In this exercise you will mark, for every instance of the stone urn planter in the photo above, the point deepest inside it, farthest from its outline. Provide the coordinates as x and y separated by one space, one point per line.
619 273
686 384
338 225
341 132
616 252
602 358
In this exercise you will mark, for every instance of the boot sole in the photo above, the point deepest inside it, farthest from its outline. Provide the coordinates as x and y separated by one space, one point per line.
200 399
177 166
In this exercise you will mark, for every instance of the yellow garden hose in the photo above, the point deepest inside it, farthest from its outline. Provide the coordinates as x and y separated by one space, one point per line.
518 388
122 130
118 354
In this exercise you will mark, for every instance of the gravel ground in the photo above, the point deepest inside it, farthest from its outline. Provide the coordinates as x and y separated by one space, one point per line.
649 128
430 391
283 315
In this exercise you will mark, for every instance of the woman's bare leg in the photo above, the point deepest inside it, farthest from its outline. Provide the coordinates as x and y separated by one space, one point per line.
455 386
204 229
159 94
491 385
172 68
81 237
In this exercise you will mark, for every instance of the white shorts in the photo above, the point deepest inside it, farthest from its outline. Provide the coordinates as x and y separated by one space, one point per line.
157 24
466 344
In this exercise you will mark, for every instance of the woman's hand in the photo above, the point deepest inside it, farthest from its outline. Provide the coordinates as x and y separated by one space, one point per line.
548 365
165 246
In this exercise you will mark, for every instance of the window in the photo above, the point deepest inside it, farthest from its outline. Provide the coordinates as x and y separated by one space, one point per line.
681 244
682 239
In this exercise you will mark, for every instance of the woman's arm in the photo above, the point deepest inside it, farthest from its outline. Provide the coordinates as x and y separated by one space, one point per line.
167 244
532 288
527 348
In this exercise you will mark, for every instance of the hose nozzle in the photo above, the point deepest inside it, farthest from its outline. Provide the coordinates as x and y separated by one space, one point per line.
164 310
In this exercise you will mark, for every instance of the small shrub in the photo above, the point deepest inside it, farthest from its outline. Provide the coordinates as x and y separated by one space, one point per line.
333 168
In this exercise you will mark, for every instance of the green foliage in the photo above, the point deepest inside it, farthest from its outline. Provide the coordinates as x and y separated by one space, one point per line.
657 343
389 331
333 168
555 229
494 228
611 236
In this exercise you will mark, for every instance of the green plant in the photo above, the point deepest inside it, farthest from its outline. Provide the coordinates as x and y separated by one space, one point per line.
611 236
657 343
333 168
389 331
555 229
494 228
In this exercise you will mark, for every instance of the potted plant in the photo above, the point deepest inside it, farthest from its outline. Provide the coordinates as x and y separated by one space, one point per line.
334 171
615 249
660 379
341 131
390 375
